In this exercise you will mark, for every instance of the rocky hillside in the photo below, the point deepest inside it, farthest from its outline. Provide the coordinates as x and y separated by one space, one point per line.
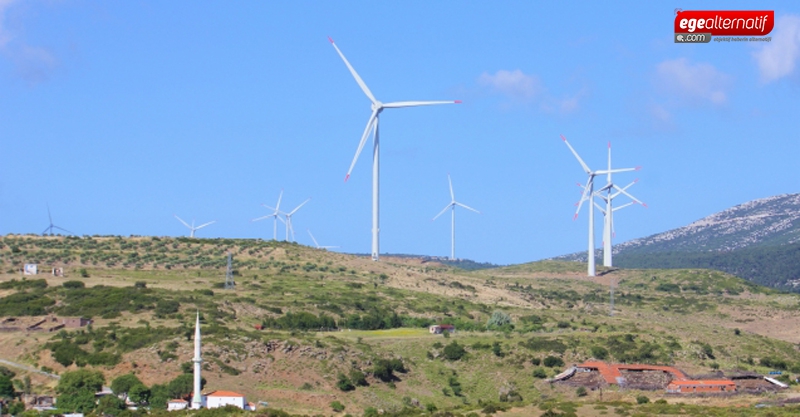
758 240
771 221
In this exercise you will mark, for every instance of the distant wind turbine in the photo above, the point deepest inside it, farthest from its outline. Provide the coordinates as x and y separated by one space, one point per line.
192 228
317 244
289 215
372 126
275 215
452 207
608 193
588 195
49 229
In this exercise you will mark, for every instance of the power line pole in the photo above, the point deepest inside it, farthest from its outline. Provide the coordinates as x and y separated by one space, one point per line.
229 283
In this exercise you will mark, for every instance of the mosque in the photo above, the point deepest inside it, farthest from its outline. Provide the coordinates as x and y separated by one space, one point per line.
214 399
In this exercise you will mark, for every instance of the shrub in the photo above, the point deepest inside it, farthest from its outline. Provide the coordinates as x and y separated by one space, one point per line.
343 383
599 352
73 284
553 361
581 392
539 373
454 351
337 406
358 378
498 319
642 399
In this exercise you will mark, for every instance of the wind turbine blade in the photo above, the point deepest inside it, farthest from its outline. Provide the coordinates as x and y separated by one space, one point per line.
622 207
204 225
49 217
442 212
184 223
279 218
467 207
631 197
312 239
61 228
609 162
261 218
370 124
399 104
617 170
584 197
278 206
614 195
452 195
298 207
583 164
360 82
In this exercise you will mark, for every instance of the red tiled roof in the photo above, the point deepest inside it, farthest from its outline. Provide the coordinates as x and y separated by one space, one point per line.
178 401
704 382
224 394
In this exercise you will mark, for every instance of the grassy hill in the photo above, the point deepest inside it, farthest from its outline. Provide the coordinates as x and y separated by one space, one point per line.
327 316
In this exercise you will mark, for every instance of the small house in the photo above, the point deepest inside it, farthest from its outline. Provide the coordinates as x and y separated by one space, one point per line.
218 399
440 328
178 404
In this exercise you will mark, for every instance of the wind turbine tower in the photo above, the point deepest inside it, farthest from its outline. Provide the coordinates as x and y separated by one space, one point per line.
588 195
372 126
192 228
608 193
452 207
197 397
275 215
289 215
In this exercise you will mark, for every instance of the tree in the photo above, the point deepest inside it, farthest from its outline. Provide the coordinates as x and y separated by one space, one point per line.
6 387
183 386
122 384
81 401
159 395
80 380
110 405
139 394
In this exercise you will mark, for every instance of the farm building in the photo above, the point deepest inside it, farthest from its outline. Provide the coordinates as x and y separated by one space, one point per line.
440 328
218 399
701 386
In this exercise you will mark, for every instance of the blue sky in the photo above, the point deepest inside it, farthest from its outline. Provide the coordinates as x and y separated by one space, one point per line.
121 114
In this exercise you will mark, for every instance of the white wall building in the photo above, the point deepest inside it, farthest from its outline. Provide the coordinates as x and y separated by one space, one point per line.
222 398
173 405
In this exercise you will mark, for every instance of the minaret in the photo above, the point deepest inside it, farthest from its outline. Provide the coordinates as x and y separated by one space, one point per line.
197 398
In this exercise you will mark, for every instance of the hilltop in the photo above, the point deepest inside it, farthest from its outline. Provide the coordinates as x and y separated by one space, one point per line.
758 240
326 315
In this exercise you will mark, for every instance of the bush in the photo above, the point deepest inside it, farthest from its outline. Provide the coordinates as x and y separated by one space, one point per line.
553 361
539 373
599 352
581 392
642 399
337 406
73 284
343 383
498 319
454 351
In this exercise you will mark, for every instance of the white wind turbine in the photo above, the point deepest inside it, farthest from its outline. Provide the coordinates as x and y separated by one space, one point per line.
588 194
452 207
275 215
192 227
289 215
608 193
317 244
372 126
